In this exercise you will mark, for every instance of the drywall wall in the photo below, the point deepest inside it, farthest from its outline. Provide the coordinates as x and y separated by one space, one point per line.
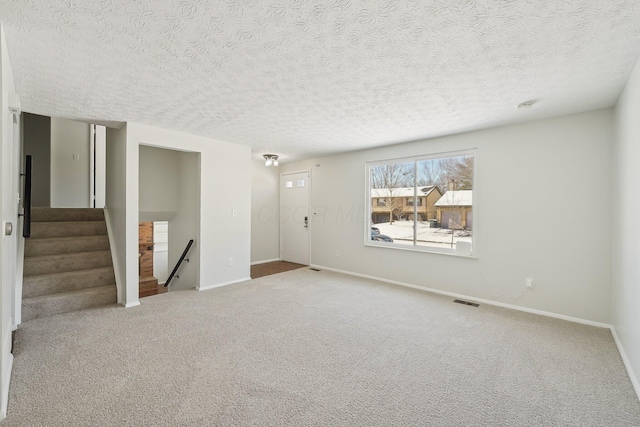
159 183
69 163
116 206
541 210
161 251
37 143
223 239
265 201
184 225
626 226
9 174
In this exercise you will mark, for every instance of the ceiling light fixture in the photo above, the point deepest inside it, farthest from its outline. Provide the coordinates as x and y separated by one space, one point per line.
270 160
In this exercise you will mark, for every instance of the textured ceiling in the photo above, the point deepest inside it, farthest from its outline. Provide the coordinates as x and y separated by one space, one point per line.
302 78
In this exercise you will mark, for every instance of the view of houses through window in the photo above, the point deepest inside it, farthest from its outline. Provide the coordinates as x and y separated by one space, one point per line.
425 202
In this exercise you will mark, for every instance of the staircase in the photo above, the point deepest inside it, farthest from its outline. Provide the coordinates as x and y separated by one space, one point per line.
67 263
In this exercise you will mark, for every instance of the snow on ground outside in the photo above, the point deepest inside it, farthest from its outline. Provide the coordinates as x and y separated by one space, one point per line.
402 232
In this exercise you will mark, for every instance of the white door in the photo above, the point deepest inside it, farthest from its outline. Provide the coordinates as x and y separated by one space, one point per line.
98 166
294 217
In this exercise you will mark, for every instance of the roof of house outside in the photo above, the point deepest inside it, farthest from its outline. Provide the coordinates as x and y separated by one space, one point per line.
456 198
401 192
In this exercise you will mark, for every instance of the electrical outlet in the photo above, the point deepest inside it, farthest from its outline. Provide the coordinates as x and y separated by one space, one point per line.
234 213
529 282
337 253
76 157
230 262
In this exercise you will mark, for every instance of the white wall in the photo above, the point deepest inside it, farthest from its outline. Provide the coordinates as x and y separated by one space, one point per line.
159 183
225 187
626 226
69 177
265 201
184 226
116 206
10 147
37 143
541 210
161 251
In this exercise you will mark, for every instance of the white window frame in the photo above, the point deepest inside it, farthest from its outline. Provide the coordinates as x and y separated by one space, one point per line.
415 159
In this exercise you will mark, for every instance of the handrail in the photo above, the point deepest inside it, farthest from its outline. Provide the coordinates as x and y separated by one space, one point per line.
180 261
26 224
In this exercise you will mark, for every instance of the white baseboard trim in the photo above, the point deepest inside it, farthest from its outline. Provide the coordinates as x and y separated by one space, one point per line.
219 285
5 387
466 297
264 261
132 304
627 363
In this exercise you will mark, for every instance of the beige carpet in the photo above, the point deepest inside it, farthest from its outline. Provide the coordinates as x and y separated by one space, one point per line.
307 348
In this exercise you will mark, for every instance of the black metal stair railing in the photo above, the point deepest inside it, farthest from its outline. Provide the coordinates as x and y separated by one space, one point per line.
180 261
26 221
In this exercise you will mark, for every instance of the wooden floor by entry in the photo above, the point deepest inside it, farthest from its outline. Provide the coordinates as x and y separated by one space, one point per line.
269 268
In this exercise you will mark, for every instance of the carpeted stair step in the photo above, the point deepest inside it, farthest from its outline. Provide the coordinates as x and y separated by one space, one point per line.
49 264
65 245
65 302
40 230
35 286
66 214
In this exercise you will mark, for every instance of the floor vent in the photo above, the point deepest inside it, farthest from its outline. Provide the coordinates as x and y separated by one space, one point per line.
473 304
313 269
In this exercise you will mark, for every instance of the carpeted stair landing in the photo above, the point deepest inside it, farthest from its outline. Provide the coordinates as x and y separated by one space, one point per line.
67 264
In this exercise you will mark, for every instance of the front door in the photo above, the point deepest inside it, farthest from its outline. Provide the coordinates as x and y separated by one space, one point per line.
294 217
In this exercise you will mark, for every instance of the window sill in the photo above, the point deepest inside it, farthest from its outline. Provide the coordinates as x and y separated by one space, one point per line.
422 249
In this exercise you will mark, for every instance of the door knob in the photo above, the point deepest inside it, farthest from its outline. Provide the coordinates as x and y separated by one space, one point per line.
8 228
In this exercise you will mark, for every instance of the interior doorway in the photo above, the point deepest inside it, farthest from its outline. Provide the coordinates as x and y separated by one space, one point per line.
294 217
169 201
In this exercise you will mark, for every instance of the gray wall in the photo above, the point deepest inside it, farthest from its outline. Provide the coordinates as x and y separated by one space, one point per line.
626 229
526 174
70 172
265 203
37 143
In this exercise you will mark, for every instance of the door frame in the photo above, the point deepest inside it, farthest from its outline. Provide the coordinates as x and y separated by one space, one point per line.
309 189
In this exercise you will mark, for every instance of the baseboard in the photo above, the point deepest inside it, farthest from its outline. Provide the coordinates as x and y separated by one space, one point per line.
6 373
264 261
627 363
132 304
5 388
467 297
219 285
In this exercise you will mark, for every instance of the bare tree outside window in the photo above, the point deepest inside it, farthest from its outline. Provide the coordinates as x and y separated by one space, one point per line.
388 179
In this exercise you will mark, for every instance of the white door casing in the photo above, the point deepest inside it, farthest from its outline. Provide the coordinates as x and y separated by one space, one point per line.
294 217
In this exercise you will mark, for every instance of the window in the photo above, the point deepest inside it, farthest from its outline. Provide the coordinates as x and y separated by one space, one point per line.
422 203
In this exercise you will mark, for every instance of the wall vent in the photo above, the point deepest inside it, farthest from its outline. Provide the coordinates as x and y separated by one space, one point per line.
459 301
